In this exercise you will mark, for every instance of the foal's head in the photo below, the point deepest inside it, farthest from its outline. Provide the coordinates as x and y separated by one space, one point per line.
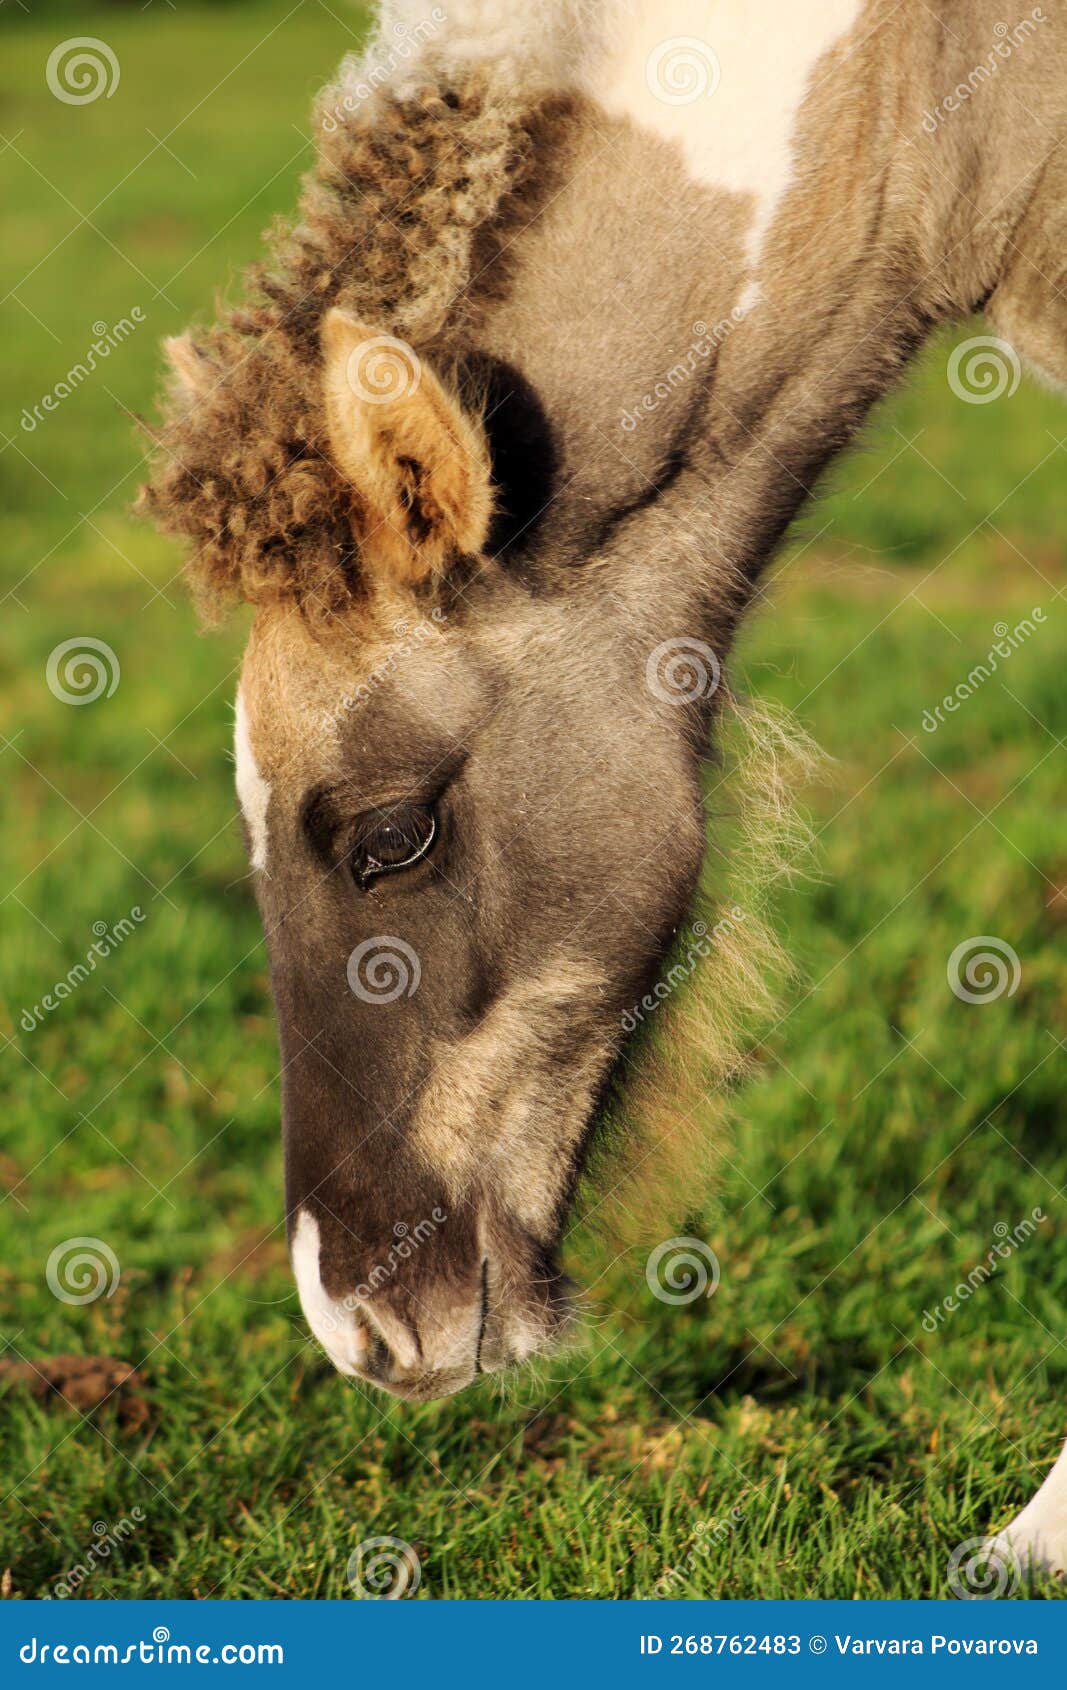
473 828
467 744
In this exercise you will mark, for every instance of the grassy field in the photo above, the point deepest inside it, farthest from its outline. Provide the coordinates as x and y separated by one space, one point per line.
802 1432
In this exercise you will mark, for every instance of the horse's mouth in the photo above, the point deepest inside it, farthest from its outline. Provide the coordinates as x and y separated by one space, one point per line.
431 1345
505 1339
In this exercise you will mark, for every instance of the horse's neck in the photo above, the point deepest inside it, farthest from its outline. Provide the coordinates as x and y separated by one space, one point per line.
766 211
754 215
915 165
725 82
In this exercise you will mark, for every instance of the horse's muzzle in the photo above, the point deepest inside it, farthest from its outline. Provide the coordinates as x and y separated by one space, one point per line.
437 1341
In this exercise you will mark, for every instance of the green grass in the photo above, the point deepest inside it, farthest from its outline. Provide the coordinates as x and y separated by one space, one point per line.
889 1128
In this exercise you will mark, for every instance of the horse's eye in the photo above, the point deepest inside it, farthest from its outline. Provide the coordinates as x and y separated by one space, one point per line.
392 840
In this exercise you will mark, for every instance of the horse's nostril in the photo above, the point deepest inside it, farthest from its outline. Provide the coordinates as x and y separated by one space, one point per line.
379 1359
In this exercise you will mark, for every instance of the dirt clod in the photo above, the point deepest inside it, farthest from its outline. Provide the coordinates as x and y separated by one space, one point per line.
82 1383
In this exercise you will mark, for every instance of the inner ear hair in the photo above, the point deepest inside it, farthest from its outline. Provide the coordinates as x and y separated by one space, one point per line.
418 465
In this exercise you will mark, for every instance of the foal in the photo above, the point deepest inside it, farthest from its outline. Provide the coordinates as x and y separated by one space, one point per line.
580 302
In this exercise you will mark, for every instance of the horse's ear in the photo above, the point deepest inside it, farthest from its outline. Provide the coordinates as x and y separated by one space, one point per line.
418 466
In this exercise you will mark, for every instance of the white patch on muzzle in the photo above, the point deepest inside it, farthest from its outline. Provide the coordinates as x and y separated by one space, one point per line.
336 1326
253 792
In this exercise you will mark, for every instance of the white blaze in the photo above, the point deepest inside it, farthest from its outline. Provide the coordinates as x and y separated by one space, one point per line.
253 791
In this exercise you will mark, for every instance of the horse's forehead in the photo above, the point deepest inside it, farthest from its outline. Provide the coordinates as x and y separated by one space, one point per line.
292 694
316 705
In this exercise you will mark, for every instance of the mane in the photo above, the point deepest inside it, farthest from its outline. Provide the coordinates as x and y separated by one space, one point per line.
394 227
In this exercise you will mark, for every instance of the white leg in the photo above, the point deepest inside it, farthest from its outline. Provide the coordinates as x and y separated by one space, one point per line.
1038 1536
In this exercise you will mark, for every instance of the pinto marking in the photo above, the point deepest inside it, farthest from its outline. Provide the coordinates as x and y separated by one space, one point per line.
757 78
